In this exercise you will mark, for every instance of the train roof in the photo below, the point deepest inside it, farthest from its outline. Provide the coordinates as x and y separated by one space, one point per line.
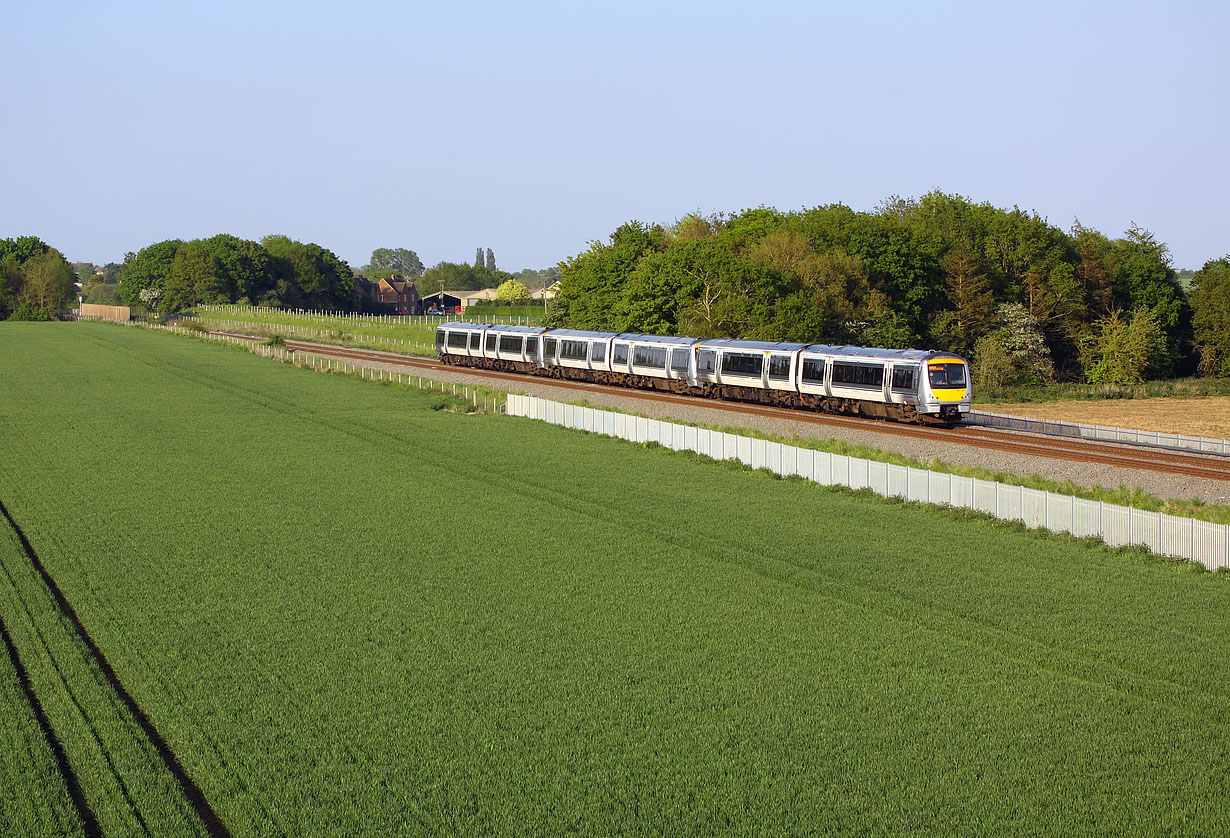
582 333
872 353
754 345
499 327
628 336
673 339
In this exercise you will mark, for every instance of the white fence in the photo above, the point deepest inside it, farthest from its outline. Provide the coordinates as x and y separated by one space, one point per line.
1081 430
1166 535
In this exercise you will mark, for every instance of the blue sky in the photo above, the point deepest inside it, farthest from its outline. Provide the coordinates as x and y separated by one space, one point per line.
534 128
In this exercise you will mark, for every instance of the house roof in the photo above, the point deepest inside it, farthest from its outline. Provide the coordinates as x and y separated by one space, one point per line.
398 285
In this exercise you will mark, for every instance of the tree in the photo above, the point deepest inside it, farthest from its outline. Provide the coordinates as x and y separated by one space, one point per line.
243 269
458 277
10 284
513 293
308 275
148 268
95 290
479 262
396 261
491 260
1093 270
148 297
1123 351
536 279
1015 352
969 291
47 286
1143 278
993 366
593 283
1211 316
15 254
111 273
194 270
23 248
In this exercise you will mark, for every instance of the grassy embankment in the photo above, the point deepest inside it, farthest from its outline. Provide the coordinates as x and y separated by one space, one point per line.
411 335
347 611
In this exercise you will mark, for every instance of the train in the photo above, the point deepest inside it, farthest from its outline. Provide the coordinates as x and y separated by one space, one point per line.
905 385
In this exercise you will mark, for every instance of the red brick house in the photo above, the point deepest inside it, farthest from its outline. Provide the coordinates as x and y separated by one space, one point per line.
401 295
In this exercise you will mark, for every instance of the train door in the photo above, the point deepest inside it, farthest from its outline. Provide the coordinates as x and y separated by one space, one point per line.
706 365
679 363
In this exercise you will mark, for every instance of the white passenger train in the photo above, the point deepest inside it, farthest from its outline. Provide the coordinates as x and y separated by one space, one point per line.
908 385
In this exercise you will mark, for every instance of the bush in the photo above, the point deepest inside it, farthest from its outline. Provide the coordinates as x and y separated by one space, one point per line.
26 310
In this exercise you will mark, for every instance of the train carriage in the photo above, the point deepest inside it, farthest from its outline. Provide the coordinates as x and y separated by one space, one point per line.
570 353
750 370
653 361
509 348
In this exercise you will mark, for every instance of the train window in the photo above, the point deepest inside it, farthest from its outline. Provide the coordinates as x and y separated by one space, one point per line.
548 349
574 350
946 376
704 361
439 338
619 353
491 341
597 353
649 356
779 366
531 346
738 363
476 340
813 370
457 340
904 377
679 359
511 344
859 375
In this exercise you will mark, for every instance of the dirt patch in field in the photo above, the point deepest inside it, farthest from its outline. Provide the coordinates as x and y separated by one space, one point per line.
1208 416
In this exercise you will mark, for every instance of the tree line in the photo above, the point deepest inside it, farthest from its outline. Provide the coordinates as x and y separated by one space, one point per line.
1024 300
37 282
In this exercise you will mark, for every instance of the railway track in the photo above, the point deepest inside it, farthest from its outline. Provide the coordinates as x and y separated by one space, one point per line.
1105 452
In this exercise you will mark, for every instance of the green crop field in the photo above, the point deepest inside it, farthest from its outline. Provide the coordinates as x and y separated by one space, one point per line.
412 335
348 611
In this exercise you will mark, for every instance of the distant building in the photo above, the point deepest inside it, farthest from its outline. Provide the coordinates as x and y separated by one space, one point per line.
400 295
547 293
442 303
469 298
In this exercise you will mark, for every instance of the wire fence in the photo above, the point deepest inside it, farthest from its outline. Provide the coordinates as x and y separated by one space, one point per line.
1167 535
1103 432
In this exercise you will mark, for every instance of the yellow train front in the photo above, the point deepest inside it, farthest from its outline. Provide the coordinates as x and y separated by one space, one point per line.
946 392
